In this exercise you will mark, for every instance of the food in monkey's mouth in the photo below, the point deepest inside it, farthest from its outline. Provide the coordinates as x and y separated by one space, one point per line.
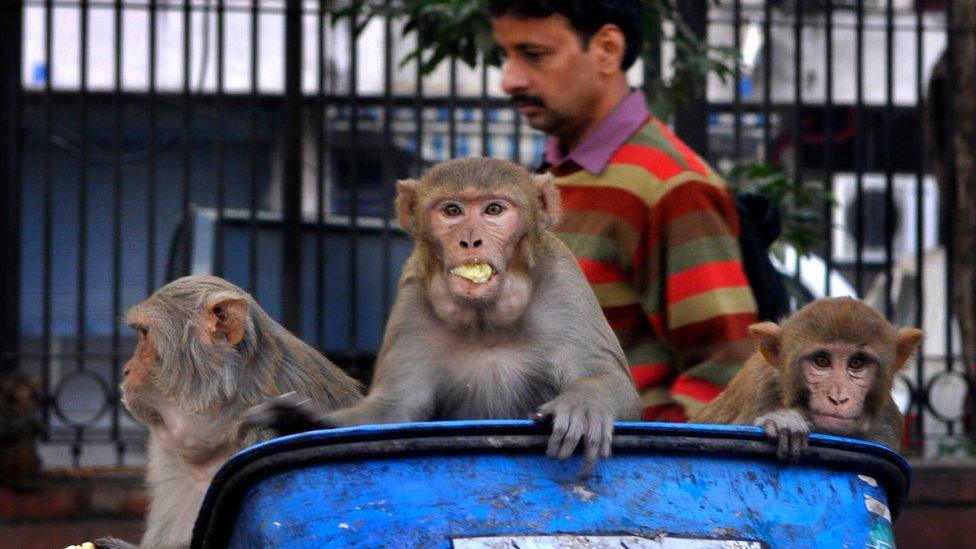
86 545
479 273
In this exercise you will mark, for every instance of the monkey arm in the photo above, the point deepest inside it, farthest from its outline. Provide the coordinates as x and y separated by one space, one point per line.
789 429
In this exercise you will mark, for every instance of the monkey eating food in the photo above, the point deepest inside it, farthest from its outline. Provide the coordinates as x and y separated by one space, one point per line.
829 368
493 318
206 353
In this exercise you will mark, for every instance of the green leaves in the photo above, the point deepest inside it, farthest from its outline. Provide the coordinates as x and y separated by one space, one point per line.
801 203
462 29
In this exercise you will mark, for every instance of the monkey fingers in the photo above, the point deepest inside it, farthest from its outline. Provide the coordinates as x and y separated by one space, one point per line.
789 430
285 415
597 438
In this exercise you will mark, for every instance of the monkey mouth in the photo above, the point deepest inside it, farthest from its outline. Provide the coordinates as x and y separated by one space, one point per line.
836 422
474 271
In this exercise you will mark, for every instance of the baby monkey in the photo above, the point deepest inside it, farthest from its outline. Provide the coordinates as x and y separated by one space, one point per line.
829 367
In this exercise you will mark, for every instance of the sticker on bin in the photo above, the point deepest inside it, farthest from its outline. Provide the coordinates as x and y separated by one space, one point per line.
568 541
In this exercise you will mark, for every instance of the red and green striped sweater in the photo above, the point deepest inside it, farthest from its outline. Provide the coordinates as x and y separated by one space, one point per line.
656 235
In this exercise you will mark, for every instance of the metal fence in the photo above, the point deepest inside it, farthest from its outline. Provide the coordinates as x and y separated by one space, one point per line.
147 139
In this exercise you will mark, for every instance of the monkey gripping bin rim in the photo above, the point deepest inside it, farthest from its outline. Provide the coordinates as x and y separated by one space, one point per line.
480 484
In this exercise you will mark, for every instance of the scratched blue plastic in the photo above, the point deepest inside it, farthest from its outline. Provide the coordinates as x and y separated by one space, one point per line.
428 500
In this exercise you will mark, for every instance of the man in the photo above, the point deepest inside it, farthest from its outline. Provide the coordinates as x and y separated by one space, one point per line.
654 228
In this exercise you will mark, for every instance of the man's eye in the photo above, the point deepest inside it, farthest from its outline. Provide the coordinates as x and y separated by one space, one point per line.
452 210
494 209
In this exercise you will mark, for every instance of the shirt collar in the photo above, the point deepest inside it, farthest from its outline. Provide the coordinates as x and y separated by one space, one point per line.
595 152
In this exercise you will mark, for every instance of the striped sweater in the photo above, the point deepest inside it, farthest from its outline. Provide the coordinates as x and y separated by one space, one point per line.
656 235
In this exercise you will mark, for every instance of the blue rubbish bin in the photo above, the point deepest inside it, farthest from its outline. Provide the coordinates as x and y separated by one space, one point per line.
481 484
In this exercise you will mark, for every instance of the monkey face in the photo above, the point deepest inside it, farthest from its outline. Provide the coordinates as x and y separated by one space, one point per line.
476 233
839 378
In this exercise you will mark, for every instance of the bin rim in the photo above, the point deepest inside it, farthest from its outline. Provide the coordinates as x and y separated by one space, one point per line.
889 468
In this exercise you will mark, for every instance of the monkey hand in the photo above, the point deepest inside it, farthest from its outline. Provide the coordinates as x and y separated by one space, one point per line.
789 430
576 418
286 415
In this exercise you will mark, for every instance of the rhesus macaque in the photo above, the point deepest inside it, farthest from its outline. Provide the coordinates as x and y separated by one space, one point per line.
206 353
19 427
829 368
493 318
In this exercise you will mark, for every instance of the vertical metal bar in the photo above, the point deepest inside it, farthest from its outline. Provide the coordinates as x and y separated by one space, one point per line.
951 183
798 109
353 176
82 344
82 190
320 286
389 157
517 154
828 150
291 178
151 160
117 230
48 219
919 396
452 110
186 107
737 82
418 115
691 121
252 225
889 219
859 162
219 145
767 101
483 107
10 143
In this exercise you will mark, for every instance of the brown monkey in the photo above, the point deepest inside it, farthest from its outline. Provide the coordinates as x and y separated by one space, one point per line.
493 318
829 368
206 353
19 427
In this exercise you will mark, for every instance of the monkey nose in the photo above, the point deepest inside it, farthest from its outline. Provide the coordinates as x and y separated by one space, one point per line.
469 244
837 401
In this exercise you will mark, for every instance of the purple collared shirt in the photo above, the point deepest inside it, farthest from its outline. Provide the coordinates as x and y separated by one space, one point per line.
595 152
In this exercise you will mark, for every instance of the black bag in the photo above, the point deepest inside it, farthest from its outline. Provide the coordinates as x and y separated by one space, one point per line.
759 227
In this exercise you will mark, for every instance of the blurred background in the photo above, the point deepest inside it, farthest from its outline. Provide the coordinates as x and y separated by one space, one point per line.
143 140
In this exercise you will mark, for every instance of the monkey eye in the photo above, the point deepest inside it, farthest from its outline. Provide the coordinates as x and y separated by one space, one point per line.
857 363
494 209
141 331
451 210
821 360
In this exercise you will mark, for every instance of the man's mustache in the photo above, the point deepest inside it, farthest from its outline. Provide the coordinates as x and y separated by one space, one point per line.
530 100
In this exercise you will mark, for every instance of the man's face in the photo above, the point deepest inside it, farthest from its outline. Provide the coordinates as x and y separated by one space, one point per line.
549 75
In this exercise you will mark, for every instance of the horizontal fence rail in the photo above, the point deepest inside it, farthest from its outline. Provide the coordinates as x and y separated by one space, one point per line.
261 141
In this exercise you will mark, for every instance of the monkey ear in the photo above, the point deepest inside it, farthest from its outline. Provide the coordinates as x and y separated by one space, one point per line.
908 340
225 318
406 203
551 205
768 341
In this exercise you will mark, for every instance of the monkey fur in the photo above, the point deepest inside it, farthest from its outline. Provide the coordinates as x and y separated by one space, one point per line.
828 368
206 353
528 341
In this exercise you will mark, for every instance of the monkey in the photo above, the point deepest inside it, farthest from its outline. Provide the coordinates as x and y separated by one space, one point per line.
829 367
492 319
207 352
20 463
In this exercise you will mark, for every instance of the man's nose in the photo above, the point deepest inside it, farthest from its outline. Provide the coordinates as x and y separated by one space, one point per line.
513 79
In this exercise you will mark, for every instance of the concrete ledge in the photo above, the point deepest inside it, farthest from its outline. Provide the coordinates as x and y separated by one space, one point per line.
941 507
78 494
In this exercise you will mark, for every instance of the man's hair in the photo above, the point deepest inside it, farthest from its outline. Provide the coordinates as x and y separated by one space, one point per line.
586 17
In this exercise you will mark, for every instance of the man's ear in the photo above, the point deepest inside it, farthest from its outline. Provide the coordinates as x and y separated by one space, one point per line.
406 203
225 318
908 340
608 45
550 203
768 336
